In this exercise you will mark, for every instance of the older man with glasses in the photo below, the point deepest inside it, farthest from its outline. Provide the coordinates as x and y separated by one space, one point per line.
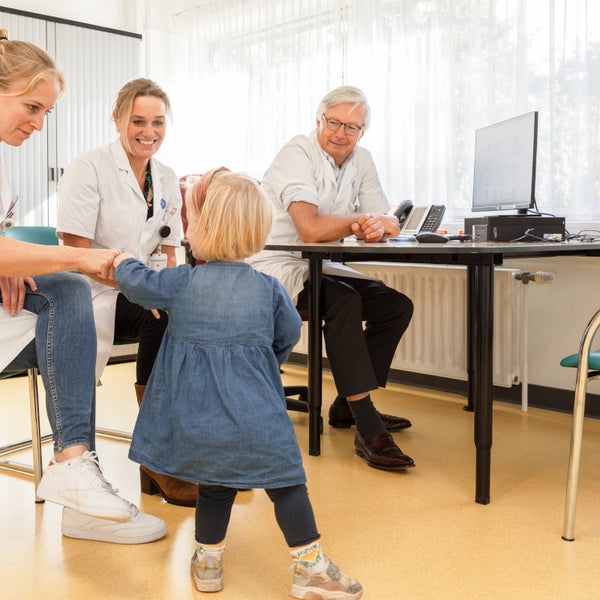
325 187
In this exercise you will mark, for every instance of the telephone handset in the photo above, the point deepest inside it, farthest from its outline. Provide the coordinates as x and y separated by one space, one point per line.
403 210
414 219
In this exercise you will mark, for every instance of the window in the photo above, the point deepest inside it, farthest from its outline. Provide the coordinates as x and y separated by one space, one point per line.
250 74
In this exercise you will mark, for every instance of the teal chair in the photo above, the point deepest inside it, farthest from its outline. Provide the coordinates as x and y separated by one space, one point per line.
36 235
587 364
47 237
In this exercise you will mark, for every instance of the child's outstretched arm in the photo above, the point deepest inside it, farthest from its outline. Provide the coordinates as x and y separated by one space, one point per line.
147 287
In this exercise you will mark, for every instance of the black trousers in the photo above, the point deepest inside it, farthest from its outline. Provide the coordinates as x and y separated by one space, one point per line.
293 512
360 356
137 324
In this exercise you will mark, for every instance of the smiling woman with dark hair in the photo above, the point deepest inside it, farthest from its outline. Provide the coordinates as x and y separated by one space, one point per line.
121 196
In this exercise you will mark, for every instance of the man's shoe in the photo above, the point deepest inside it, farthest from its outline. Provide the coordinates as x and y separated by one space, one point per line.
341 417
330 584
207 570
382 453
140 529
78 483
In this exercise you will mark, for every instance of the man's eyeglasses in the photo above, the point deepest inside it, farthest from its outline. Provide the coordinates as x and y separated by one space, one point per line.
350 128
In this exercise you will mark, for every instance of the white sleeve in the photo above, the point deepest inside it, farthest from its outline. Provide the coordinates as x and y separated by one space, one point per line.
291 176
79 199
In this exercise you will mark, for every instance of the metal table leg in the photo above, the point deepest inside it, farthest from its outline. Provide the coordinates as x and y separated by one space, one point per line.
481 293
315 357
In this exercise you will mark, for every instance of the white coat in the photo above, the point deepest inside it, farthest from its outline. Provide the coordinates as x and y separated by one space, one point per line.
18 330
100 199
302 171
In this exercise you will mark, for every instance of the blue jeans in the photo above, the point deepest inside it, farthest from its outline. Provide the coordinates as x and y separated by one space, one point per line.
64 351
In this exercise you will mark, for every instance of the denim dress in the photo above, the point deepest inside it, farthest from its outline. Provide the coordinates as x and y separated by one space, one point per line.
214 410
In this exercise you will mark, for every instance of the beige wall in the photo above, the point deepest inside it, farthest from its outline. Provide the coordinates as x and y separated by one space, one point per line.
115 14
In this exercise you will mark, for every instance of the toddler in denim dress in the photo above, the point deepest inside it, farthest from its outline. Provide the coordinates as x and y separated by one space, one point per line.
214 410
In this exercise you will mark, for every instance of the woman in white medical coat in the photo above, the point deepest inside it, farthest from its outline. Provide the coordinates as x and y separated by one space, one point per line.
47 322
121 196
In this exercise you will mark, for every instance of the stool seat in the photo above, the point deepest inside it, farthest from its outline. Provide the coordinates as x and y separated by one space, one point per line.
573 360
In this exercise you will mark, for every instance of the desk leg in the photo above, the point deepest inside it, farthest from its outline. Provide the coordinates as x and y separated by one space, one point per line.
315 357
471 303
481 294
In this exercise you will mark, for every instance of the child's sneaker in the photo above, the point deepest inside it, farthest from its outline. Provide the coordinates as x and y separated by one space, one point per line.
330 584
207 569
78 483
140 529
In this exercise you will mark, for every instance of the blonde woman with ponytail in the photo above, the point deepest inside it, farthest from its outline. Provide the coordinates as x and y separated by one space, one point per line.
47 322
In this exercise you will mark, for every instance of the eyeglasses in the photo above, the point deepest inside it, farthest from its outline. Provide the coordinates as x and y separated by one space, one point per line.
350 128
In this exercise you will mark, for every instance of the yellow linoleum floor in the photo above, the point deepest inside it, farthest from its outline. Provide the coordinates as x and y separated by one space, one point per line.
417 535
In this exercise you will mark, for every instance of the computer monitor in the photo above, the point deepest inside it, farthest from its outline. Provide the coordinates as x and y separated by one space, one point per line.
505 157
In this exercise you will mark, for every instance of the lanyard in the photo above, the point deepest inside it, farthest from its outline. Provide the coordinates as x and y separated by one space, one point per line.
149 192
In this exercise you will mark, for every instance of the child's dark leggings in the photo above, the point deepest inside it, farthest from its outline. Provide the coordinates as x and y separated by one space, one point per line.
293 512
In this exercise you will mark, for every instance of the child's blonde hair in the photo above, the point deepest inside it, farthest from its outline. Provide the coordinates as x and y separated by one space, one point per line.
229 216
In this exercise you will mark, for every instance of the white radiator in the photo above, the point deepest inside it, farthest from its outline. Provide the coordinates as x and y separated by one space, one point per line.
436 340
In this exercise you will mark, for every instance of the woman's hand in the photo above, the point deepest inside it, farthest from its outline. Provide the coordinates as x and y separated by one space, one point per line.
13 292
98 262
121 257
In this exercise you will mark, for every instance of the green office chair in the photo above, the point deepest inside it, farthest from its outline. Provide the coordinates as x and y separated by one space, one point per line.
587 370
35 235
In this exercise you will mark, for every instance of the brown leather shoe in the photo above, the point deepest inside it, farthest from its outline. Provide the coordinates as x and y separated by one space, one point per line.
382 453
341 417
174 491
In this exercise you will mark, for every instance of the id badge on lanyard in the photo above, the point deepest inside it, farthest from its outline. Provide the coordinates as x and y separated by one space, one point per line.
158 260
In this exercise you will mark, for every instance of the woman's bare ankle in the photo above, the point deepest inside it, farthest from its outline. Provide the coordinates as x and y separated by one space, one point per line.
70 452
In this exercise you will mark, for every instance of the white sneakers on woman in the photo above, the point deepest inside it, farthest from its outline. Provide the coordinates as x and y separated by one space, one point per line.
78 483
93 510
140 529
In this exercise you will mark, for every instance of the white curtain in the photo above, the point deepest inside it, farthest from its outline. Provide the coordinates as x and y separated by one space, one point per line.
250 73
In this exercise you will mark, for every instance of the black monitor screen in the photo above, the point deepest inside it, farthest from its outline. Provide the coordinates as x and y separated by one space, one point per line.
505 155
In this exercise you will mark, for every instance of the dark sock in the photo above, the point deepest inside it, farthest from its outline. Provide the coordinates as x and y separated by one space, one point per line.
368 421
